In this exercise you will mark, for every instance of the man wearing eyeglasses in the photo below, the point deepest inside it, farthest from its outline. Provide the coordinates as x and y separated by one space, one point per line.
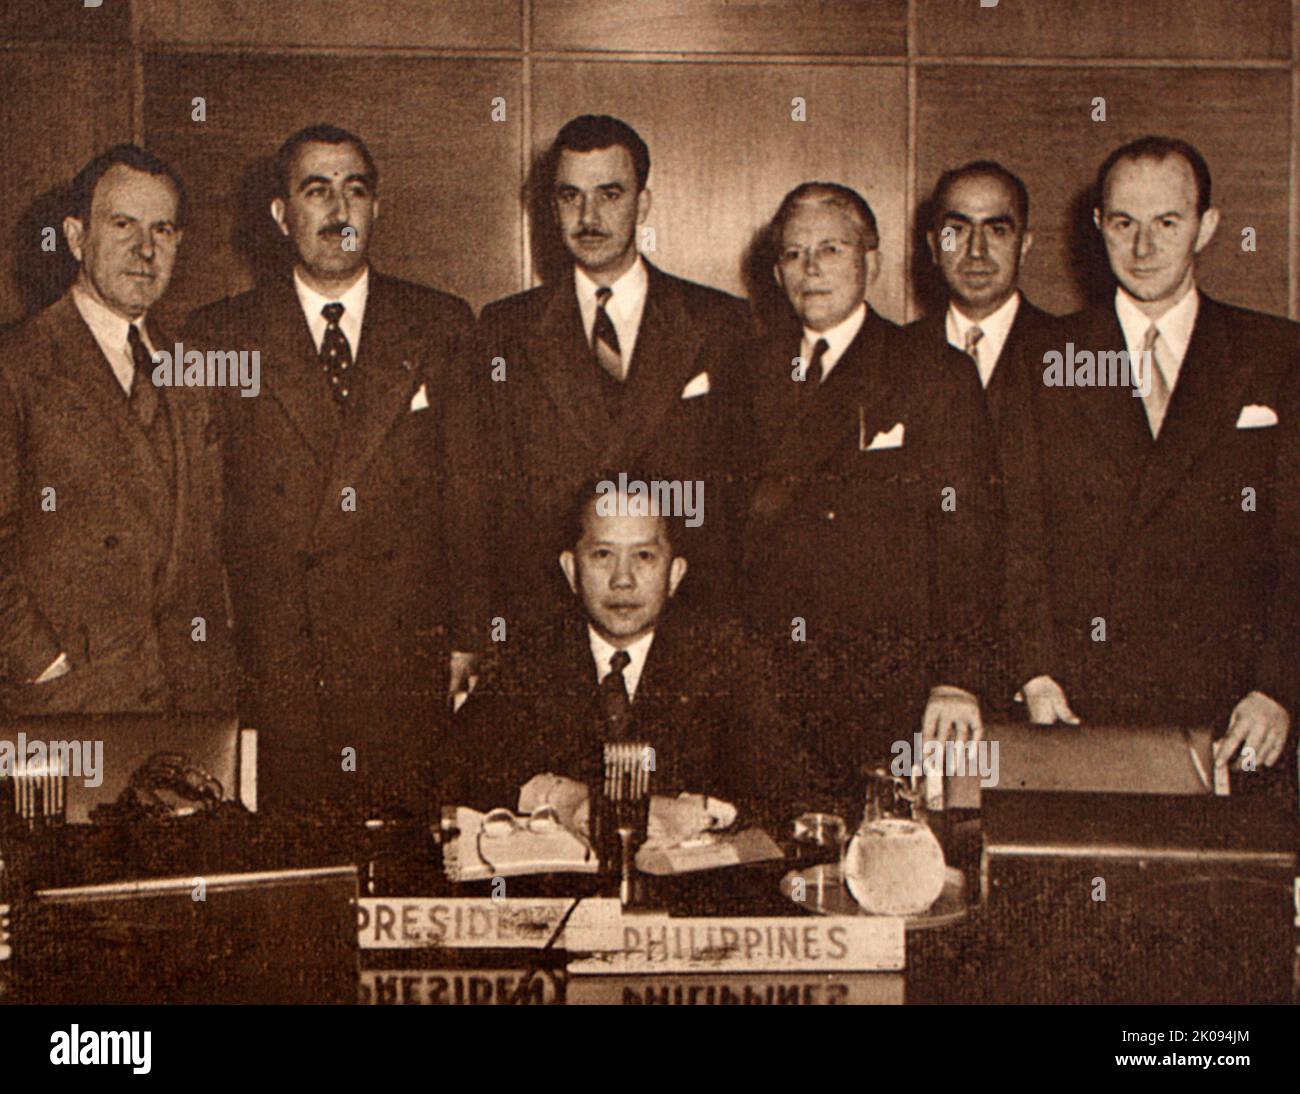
863 547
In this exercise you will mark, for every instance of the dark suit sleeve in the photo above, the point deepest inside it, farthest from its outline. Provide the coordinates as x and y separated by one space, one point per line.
466 456
1278 668
28 644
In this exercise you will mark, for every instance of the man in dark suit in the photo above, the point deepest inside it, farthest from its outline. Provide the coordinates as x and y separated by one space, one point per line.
978 236
864 561
617 365
1172 476
353 538
112 596
626 662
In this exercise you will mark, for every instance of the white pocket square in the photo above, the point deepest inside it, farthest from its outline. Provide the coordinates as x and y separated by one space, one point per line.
420 400
891 439
1255 416
699 385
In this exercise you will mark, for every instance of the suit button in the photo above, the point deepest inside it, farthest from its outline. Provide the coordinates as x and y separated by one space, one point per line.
304 631
830 514
110 542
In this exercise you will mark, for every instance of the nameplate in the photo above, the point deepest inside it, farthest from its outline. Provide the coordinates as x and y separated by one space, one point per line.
661 944
458 987
458 923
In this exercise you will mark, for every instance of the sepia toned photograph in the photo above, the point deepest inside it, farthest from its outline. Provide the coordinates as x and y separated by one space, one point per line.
650 502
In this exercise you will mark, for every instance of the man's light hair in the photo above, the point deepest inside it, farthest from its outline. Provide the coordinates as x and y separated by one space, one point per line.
828 193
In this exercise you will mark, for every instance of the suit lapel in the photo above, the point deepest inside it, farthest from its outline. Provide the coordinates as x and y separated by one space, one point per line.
568 370
819 422
80 364
389 370
291 374
667 347
1206 390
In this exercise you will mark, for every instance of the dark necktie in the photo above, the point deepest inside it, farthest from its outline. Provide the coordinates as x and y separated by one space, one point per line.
614 701
143 399
604 338
335 353
813 376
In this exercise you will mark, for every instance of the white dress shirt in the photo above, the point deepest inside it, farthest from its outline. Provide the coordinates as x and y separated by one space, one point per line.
1175 328
110 331
994 330
838 339
602 651
354 309
625 307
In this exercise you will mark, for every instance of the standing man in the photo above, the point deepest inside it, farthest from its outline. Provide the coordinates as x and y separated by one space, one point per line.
1174 493
978 236
617 365
112 597
353 538
863 549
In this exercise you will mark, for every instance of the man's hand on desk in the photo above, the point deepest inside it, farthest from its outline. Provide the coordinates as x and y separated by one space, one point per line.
1259 724
463 676
1045 702
951 713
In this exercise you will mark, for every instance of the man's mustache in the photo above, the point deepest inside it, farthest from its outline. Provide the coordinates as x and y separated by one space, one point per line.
333 230
590 233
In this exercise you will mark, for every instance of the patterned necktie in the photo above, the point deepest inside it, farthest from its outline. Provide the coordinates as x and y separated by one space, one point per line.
1156 400
973 336
335 353
816 371
143 399
604 338
614 701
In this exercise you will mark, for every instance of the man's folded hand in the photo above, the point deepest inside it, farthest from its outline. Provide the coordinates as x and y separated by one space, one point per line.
1046 702
1257 730
951 713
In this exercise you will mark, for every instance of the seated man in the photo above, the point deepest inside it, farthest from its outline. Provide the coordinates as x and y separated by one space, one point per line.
620 666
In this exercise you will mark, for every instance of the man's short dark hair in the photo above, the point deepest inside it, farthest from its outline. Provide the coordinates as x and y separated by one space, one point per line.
826 193
319 134
81 193
980 169
1158 148
594 489
592 132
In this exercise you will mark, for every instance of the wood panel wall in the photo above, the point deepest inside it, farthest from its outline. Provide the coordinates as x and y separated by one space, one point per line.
894 92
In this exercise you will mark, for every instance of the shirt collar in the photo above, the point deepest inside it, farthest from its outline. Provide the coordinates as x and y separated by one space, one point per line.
106 325
994 328
1175 326
628 290
353 300
638 651
838 338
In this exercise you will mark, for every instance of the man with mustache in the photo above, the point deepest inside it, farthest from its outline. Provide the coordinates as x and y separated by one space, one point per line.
112 595
865 552
354 537
613 364
978 236
1173 495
